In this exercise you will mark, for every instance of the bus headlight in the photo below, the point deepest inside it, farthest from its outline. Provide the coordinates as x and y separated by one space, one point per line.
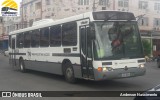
105 69
141 66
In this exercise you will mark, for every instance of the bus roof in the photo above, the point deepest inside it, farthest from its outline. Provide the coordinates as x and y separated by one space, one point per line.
42 23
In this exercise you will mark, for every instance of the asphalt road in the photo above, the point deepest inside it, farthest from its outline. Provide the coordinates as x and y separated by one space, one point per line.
14 80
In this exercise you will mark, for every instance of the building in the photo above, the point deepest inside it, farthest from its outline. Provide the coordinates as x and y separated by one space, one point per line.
7 25
1 33
147 13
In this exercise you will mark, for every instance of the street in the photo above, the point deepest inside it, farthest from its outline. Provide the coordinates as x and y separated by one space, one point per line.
14 80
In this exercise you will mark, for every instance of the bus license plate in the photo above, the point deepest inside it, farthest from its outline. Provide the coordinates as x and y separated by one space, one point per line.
126 74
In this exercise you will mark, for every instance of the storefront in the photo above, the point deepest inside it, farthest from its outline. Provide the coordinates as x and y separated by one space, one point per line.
153 37
3 42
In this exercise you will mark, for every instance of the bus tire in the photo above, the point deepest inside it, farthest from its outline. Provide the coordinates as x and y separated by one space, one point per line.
69 73
22 66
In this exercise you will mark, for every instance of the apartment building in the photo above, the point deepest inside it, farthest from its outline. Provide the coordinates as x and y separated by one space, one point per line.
34 10
147 13
3 35
1 32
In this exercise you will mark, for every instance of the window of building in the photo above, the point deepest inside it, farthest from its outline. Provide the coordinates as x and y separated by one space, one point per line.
30 22
143 4
44 37
35 38
55 35
103 8
83 2
25 25
156 22
156 42
25 9
157 6
27 39
38 6
103 2
20 40
48 2
123 3
69 34
31 7
37 19
47 17
143 21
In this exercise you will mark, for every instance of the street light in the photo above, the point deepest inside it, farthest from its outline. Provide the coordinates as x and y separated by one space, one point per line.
94 6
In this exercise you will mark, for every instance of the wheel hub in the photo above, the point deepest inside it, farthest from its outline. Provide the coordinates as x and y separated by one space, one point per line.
69 72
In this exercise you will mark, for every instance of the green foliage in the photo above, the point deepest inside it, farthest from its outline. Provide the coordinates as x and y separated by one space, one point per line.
146 47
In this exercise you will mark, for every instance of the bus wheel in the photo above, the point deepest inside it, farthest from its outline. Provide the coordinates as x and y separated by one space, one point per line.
22 66
69 73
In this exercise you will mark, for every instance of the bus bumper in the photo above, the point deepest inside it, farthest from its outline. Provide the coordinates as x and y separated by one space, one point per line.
119 73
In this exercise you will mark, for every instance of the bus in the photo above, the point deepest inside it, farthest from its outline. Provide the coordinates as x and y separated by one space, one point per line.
8 10
98 45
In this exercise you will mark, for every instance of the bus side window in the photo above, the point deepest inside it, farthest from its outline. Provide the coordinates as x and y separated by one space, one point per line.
35 38
20 40
27 39
44 37
55 36
69 34
17 40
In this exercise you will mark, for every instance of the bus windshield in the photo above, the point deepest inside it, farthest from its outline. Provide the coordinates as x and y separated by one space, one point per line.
117 40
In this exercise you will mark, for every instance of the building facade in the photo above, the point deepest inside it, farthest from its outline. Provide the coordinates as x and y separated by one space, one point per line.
147 13
1 33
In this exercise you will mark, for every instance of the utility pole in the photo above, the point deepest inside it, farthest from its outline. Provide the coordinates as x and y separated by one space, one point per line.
22 15
151 44
114 4
41 10
94 6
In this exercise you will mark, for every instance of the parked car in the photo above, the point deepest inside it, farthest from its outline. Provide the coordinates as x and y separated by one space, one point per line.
153 92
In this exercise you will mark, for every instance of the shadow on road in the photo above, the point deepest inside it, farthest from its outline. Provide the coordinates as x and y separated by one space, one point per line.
110 85
93 85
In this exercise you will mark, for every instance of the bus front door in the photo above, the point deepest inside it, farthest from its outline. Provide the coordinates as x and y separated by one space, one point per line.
86 53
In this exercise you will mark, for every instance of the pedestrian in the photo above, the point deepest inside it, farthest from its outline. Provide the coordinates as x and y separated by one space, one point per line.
158 60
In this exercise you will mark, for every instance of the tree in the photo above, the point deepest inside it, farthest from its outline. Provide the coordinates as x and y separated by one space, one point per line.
146 47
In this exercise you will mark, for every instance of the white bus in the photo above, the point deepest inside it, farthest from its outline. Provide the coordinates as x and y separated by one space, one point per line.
96 46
